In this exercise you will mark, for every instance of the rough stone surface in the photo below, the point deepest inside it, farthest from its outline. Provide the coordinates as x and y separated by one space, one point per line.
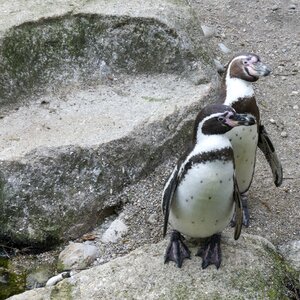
92 115
115 231
77 256
67 43
250 270
84 111
291 252
38 277
241 26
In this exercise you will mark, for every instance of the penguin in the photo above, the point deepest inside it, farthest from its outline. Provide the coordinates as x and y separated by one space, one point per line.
201 194
237 91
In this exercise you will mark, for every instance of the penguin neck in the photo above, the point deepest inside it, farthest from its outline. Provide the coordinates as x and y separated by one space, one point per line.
208 143
236 90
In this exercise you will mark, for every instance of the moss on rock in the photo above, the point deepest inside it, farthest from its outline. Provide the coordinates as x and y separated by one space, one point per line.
70 47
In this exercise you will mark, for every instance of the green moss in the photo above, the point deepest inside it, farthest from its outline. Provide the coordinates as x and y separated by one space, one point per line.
285 282
274 285
34 53
11 283
153 99
62 290
3 262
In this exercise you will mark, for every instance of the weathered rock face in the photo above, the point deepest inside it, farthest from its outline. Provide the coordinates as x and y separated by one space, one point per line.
75 44
58 194
251 269
55 191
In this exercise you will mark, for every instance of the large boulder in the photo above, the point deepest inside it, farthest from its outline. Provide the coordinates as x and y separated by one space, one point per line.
58 43
251 269
92 113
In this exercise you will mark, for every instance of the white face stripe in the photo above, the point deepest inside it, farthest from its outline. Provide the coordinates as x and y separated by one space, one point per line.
235 87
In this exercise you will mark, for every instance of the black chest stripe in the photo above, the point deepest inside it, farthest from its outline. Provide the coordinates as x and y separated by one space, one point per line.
225 154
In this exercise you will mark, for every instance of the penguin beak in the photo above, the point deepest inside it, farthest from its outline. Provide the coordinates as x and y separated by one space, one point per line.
258 69
239 119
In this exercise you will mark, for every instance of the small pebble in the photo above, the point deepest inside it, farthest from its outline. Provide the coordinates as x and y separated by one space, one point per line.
272 121
223 48
208 31
296 107
219 66
284 134
292 6
114 232
294 93
152 219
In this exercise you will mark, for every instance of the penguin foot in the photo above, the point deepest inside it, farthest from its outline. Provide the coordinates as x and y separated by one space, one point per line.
211 252
246 215
177 251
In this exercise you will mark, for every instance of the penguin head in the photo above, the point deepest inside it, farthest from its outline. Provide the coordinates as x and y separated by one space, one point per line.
247 67
219 119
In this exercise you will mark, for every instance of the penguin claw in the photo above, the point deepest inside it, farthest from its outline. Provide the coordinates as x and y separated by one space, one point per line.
177 251
211 252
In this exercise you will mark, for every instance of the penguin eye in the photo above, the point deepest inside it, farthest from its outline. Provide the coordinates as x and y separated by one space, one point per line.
221 119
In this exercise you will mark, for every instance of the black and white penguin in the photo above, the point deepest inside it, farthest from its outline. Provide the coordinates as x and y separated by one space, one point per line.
201 194
237 91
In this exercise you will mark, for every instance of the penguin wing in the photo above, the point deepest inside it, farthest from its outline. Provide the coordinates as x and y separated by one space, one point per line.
266 146
238 210
168 195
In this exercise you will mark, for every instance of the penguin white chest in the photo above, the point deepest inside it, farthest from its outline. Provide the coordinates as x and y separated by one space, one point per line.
244 143
203 202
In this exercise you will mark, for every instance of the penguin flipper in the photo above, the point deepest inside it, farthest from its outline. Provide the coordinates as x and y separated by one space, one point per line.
266 146
168 195
238 215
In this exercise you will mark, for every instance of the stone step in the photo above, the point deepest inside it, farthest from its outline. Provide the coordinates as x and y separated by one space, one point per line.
93 115
94 96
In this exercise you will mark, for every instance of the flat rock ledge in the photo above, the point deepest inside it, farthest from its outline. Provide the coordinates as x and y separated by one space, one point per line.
251 269
102 93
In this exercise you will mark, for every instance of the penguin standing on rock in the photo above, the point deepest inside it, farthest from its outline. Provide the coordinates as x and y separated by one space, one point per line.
201 194
237 92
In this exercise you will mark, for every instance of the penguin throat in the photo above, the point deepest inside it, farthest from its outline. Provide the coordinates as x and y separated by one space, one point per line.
236 89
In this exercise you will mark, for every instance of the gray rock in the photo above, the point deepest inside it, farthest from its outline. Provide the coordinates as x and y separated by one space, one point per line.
114 232
100 115
208 31
77 256
251 269
284 134
223 48
38 277
291 252
66 43
275 7
219 66
292 6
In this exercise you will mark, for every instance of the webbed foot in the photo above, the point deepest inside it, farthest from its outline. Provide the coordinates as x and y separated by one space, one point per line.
211 252
177 251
